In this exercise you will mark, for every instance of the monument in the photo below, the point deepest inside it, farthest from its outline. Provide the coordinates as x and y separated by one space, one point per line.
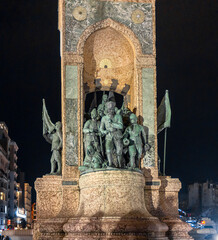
107 186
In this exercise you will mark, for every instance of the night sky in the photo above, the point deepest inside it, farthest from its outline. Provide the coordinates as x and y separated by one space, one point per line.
186 66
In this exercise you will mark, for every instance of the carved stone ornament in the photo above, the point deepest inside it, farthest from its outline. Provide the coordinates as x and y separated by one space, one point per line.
138 16
105 63
79 13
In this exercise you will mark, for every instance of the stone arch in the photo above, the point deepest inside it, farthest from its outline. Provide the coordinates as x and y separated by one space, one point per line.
130 36
109 61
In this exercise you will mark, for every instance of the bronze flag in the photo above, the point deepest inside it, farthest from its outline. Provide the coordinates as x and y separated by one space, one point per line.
164 113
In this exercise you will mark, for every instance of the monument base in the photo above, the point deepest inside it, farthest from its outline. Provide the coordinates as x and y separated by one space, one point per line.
112 206
178 230
108 204
114 228
49 229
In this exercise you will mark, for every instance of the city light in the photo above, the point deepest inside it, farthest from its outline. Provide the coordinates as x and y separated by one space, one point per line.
2 196
21 213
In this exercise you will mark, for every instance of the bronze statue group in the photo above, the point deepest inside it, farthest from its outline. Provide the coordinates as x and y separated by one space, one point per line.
113 138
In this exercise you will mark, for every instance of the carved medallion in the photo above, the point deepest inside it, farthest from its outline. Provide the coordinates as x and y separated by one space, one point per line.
138 16
79 13
105 63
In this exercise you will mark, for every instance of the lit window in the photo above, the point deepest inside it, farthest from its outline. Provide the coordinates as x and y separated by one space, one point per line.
2 196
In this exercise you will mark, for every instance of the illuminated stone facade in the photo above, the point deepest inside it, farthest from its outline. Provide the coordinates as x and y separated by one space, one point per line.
107 46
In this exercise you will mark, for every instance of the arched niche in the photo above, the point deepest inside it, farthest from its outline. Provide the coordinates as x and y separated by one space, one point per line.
109 63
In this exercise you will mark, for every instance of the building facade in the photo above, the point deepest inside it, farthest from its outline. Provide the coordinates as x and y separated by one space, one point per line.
4 170
27 203
20 215
202 196
12 187
15 198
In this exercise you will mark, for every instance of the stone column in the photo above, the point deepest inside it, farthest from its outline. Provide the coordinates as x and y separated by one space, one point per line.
168 209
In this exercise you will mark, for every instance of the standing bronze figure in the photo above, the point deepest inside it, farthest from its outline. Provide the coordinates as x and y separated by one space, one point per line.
91 132
101 107
52 134
111 127
135 138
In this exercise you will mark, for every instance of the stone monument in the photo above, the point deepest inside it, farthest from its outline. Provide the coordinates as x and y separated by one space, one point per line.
109 187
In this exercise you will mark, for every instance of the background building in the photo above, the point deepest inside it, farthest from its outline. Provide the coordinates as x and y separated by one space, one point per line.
20 215
27 203
15 198
203 198
12 187
4 169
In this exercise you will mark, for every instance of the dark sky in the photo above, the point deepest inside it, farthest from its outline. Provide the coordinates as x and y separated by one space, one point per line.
186 66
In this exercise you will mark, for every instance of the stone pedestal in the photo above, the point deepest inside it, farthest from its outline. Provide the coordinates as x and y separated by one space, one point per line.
168 209
112 206
56 197
57 200
49 196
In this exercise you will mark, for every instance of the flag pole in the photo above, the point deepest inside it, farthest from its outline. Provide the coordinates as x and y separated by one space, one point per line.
165 146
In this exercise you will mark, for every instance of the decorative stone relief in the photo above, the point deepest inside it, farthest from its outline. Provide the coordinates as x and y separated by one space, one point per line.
49 229
148 160
71 82
71 149
148 113
138 16
71 106
49 203
72 133
79 13
115 193
49 196
120 12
